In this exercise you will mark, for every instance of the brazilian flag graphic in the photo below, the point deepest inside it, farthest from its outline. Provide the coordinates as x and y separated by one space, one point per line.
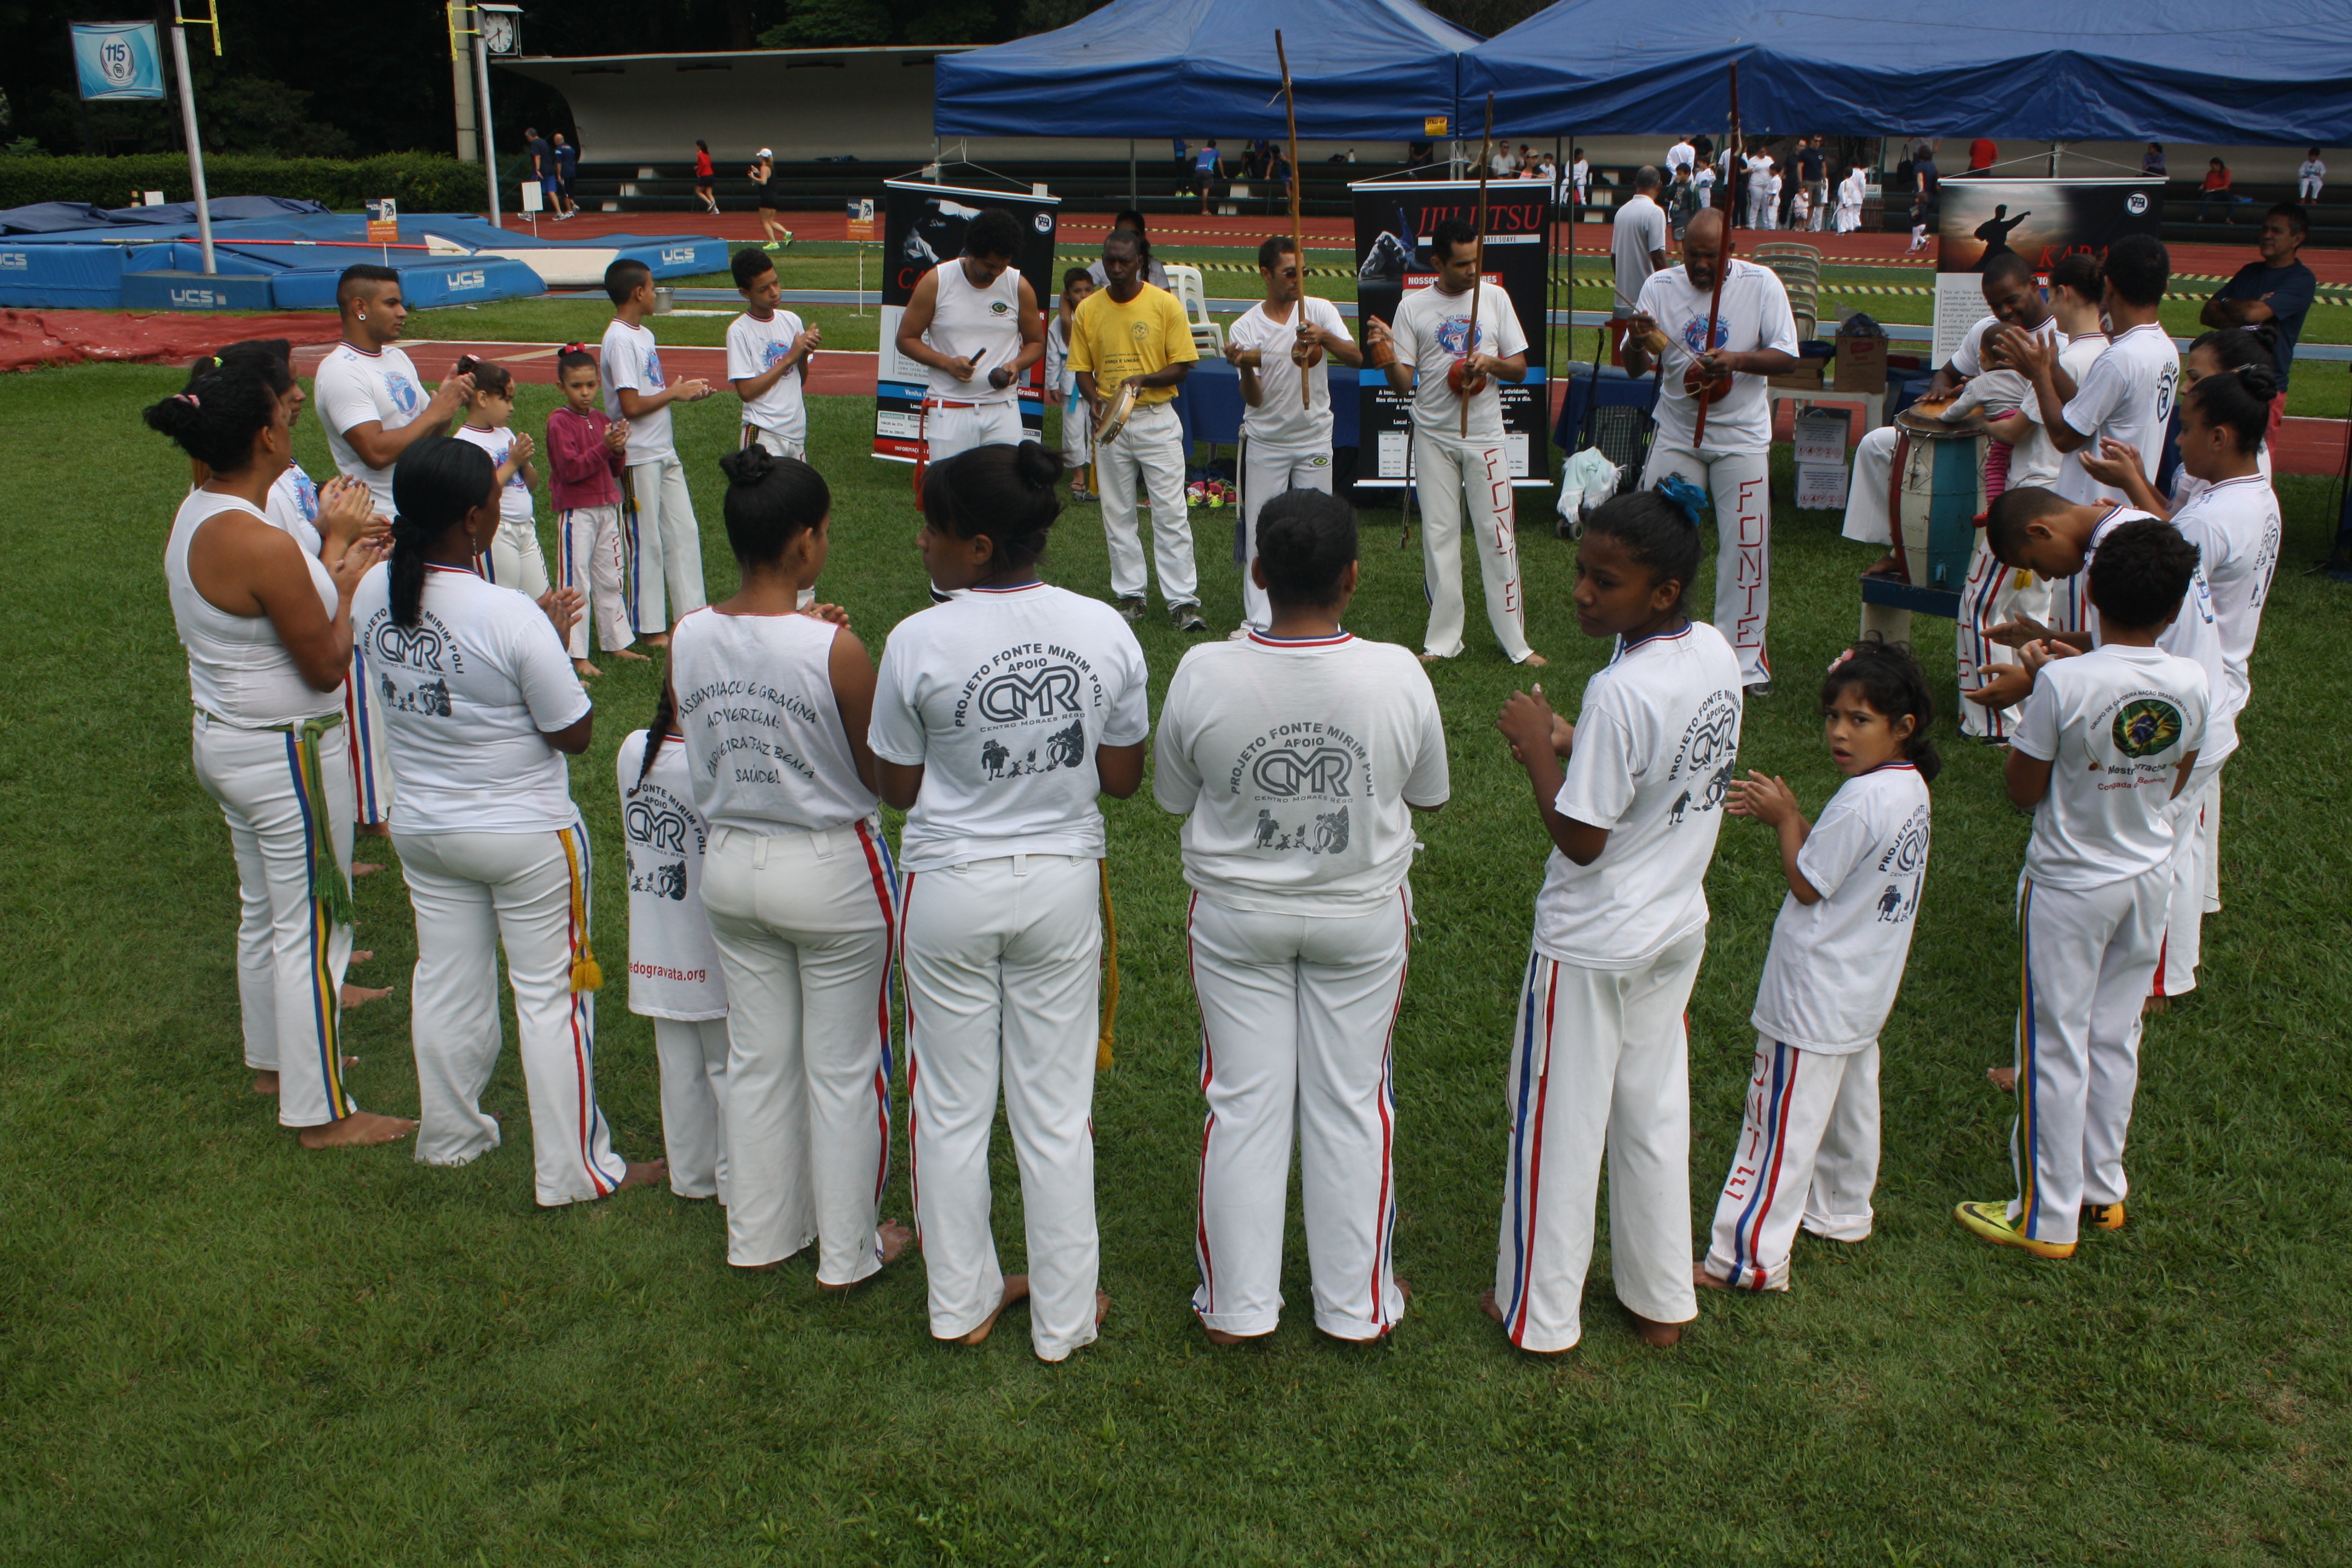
2145 726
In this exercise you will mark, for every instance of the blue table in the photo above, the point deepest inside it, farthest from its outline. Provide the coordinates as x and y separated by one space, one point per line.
1612 386
1210 404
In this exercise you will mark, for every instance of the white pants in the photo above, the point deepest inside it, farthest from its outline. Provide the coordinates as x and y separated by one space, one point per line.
2182 945
289 959
1297 1019
515 560
803 923
1002 961
1265 474
1741 485
1449 474
1807 1154
664 544
692 1055
2307 187
1865 497
1077 432
775 445
1993 594
2087 961
1818 193
1759 206
367 747
588 555
1149 449
1848 217
947 431
1600 1063
529 893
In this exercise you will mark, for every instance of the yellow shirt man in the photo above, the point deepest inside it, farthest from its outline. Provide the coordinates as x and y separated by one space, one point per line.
1113 341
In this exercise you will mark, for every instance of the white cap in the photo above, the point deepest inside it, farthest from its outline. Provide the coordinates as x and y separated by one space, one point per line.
765 153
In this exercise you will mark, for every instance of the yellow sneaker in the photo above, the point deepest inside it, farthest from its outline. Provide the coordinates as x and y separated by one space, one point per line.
2106 1216
1991 1222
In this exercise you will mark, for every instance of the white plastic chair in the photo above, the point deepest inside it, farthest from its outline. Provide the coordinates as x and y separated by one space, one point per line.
1193 294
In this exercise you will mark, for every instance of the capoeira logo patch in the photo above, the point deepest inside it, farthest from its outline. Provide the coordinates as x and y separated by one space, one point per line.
1710 747
2145 726
664 880
1322 772
655 826
419 647
1326 834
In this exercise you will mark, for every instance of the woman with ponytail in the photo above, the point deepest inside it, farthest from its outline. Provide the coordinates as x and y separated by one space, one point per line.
2224 506
482 708
999 716
2227 349
267 629
772 703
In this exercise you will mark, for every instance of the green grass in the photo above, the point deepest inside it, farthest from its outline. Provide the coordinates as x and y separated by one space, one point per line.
217 1349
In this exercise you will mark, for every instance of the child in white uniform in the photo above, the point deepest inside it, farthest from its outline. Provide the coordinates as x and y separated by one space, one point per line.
1599 1060
773 705
483 708
768 353
2104 742
674 977
1808 1149
1062 383
999 716
656 511
1297 758
514 559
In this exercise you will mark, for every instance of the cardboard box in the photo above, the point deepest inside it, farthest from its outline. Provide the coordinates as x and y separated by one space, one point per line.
1806 377
1861 365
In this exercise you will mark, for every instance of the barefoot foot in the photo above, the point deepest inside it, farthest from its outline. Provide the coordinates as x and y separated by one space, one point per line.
365 868
2155 1005
658 639
1534 661
644 1174
1706 1281
1489 1304
1102 1307
890 1240
632 656
2003 1079
360 996
585 670
356 1131
1016 1288
265 1083
1659 1336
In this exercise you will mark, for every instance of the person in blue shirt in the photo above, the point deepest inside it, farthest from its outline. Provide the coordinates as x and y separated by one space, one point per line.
567 163
1207 166
2277 288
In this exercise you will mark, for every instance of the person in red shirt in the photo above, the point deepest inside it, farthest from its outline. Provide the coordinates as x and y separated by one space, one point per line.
585 457
1982 154
703 175
2216 188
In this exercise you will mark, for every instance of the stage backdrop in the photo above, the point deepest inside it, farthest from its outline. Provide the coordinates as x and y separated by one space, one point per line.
1393 221
923 225
2041 220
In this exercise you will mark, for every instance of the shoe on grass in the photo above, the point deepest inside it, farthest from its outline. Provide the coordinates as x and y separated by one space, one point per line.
1131 607
1991 1222
2103 1216
771 245
1187 618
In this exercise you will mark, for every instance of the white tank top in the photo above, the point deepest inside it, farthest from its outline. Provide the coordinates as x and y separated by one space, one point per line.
967 321
762 730
237 669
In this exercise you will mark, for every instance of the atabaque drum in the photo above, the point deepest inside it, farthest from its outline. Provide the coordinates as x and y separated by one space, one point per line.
1936 484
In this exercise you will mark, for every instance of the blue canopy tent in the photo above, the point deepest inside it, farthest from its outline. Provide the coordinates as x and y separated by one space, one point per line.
2263 71
1373 70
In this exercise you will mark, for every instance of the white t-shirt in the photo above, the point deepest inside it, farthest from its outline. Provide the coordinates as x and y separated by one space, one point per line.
1755 315
673 962
1431 330
1680 155
762 728
468 696
2115 723
353 387
1279 423
514 496
1852 190
1967 360
1655 745
2126 396
1002 696
2037 460
1831 976
1579 174
2235 526
1638 230
752 346
631 359
294 506
1293 762
2185 485
2194 634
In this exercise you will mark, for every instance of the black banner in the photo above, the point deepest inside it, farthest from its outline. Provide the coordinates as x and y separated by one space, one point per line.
2041 220
923 226
1393 221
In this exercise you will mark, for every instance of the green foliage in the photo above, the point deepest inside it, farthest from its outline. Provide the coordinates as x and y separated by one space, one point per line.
842 24
420 182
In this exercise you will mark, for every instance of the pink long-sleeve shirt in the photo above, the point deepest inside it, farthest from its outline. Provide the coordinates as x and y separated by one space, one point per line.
581 468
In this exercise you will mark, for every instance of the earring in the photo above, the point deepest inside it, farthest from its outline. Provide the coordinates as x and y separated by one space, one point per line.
363 315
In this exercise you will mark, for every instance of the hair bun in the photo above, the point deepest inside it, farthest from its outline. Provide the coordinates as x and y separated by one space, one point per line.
749 466
2260 380
1038 468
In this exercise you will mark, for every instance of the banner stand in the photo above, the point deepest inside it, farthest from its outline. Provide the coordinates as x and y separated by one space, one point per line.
2040 220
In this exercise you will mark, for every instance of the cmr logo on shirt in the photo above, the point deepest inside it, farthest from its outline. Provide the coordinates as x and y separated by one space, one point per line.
1015 699
419 646
1322 772
656 827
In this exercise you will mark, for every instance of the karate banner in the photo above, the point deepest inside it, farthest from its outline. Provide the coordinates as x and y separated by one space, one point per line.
2041 220
1393 221
923 225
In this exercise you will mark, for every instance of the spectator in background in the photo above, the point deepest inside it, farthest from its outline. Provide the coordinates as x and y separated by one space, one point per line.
1416 154
2276 290
1637 241
1703 184
2152 161
1812 175
1681 155
1853 191
1206 168
1759 168
1580 183
1152 273
567 164
1183 151
704 175
2216 189
534 146
2309 178
1923 195
1983 153
764 173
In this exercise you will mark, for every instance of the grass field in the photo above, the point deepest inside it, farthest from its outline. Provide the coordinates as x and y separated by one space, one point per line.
217 1349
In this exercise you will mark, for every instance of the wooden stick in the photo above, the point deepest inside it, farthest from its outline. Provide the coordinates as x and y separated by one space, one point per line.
1478 266
1297 227
1722 266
